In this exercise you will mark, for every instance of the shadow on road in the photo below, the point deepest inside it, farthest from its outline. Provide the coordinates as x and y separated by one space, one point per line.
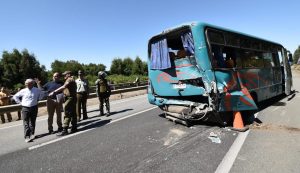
96 124
276 101
111 113
124 110
94 110
292 95
42 135
89 123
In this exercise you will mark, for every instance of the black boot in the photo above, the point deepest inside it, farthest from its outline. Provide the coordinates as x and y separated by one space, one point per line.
59 129
74 130
64 132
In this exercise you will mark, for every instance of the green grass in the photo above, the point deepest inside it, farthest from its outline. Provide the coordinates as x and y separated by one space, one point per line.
117 79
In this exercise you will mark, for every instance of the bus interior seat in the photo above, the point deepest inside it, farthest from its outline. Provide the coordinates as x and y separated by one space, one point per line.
181 54
172 56
230 63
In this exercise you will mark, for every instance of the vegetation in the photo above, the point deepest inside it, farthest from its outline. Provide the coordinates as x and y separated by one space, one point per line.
296 55
117 79
128 67
16 67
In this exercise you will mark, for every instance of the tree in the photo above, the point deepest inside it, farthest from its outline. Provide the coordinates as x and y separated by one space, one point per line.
128 65
71 65
17 66
57 66
116 66
93 69
138 67
296 55
145 68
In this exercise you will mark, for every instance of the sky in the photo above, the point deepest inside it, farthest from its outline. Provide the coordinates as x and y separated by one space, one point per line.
97 31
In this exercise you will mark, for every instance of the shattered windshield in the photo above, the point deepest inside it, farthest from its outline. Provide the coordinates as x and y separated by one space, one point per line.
166 50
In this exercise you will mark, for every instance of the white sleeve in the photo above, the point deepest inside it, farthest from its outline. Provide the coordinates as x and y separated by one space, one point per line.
17 96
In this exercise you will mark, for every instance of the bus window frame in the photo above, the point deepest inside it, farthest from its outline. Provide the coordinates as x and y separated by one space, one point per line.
264 47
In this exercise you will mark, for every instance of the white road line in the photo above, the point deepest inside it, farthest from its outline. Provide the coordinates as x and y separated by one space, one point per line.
80 132
228 160
113 103
127 99
275 109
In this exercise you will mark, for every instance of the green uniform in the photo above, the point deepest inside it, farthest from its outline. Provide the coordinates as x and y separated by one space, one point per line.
70 104
103 92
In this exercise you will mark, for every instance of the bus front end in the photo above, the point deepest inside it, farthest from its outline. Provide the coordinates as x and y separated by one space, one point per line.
180 81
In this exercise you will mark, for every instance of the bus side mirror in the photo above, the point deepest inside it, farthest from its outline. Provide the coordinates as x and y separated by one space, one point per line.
290 58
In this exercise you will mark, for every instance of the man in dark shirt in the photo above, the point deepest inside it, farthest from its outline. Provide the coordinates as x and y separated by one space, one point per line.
69 90
54 102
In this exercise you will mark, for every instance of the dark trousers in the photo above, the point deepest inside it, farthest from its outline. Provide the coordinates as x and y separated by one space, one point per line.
104 98
9 118
81 104
54 106
19 115
70 113
29 115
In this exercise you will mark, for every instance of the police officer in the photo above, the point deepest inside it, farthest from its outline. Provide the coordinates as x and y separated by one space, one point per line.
69 90
103 92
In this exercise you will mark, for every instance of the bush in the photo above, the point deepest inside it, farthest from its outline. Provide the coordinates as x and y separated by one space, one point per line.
117 79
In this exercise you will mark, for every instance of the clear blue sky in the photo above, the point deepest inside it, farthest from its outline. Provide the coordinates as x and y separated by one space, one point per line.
96 31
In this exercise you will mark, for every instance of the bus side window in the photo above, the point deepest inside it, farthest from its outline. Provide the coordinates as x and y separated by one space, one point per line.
218 57
238 60
231 54
280 57
276 59
246 56
268 60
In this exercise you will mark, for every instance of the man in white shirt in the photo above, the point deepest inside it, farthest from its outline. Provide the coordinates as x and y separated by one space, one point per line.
30 97
82 94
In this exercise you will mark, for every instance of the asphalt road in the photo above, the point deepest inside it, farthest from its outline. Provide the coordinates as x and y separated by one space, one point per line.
136 138
275 145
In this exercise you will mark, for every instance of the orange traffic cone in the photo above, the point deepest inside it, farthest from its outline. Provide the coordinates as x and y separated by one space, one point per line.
238 124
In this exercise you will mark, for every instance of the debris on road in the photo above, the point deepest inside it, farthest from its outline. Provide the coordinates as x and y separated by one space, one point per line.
214 138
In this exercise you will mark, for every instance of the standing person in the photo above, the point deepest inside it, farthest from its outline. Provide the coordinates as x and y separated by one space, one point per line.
30 97
54 103
4 101
69 90
82 95
103 92
19 112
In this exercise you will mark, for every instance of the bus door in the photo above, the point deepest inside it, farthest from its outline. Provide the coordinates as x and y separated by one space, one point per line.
233 83
287 71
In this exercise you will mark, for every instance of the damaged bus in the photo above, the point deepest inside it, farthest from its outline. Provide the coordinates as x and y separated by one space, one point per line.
198 71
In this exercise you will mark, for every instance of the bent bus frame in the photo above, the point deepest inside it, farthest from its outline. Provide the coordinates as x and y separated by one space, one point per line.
198 71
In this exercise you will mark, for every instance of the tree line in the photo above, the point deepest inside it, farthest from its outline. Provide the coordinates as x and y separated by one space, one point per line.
296 55
17 66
